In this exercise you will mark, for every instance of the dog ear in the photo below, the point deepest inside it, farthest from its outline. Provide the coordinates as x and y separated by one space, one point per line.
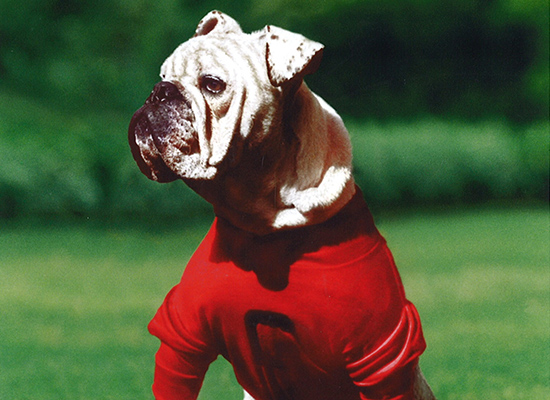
216 22
290 56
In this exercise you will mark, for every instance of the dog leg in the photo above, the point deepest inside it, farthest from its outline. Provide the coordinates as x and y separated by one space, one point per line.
422 390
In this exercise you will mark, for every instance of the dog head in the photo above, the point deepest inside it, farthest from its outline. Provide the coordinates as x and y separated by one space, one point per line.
233 119
219 84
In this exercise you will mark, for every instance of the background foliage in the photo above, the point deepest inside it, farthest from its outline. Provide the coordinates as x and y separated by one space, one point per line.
446 101
399 58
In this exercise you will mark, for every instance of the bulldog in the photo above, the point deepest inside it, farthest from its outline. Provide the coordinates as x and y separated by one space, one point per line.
293 284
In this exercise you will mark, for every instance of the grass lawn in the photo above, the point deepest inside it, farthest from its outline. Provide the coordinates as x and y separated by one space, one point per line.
75 300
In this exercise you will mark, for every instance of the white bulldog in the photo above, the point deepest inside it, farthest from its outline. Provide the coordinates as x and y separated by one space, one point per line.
233 118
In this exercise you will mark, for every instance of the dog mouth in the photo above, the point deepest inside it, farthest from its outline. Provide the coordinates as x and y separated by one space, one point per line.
162 136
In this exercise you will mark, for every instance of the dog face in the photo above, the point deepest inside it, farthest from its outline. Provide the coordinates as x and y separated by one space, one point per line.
234 120
220 84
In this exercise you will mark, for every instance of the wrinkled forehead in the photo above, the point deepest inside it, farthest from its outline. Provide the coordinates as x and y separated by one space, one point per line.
224 56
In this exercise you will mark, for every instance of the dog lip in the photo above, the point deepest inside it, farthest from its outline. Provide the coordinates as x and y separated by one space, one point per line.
132 136
162 135
154 167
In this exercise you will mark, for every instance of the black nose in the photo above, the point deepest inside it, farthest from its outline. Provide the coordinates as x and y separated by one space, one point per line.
164 91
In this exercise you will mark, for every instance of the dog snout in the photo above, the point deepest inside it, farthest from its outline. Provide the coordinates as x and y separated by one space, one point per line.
164 91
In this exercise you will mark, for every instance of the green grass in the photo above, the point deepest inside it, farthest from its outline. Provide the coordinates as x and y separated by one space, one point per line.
75 300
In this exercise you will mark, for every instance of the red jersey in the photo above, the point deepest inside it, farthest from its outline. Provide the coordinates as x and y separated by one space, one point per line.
308 314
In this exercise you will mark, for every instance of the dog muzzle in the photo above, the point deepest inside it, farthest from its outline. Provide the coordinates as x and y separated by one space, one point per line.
163 138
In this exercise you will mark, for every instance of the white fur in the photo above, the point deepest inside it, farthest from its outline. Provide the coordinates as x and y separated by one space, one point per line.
247 396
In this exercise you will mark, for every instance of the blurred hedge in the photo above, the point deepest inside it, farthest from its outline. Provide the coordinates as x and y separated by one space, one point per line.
436 162
59 163
473 59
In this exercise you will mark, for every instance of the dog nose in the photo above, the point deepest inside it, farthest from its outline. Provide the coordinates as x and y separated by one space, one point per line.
164 91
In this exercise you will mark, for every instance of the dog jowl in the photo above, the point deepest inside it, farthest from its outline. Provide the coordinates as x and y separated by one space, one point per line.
293 284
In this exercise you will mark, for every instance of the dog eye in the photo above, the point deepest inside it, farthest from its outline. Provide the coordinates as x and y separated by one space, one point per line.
212 84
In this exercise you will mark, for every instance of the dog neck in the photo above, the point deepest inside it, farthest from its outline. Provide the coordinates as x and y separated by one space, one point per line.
271 256
298 175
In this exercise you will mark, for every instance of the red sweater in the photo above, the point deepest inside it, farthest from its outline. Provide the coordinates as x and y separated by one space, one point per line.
309 314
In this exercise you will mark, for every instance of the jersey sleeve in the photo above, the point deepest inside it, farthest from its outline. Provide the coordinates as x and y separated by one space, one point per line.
185 352
390 368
